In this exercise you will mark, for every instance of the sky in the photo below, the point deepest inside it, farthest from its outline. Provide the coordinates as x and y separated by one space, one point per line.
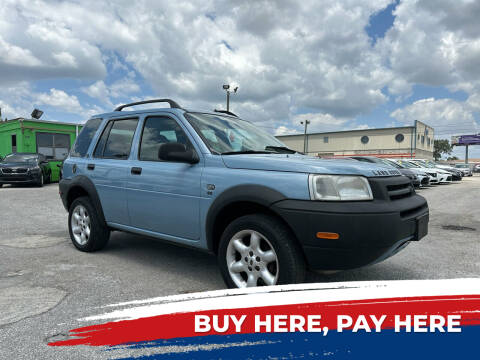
340 64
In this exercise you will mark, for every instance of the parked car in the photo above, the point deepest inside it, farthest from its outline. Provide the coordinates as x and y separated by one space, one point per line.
432 174
465 168
24 168
422 176
216 182
476 168
456 173
383 162
444 177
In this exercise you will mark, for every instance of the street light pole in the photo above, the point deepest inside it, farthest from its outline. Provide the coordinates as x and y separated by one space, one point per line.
305 147
226 87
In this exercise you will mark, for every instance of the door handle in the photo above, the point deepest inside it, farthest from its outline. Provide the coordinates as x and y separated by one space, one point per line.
136 170
91 166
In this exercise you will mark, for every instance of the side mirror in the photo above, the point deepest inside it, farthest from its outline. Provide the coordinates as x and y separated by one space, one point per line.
177 152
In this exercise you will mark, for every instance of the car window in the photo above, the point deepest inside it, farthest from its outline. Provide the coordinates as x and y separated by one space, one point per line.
157 131
116 139
85 138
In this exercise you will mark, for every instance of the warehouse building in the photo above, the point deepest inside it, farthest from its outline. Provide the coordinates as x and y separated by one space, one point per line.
394 142
50 138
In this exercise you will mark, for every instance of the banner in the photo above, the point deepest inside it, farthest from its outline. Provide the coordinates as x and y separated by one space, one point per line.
394 319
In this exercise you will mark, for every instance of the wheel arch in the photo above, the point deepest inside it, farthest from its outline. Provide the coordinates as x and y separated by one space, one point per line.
83 186
236 202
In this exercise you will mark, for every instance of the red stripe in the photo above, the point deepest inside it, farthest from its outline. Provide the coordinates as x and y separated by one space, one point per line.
400 155
182 324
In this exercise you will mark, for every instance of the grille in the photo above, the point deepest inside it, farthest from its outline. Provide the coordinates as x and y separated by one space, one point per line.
14 171
399 191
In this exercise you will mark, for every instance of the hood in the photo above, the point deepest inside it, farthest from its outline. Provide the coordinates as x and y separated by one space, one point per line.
17 164
306 164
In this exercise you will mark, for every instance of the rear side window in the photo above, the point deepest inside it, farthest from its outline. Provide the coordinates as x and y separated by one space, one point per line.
85 138
116 140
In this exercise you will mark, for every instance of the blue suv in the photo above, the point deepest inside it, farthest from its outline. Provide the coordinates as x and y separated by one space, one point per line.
216 182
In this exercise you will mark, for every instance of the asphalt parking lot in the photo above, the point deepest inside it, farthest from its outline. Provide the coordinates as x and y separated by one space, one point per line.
46 284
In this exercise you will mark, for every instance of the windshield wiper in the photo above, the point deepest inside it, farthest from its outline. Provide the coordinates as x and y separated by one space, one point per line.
246 152
281 149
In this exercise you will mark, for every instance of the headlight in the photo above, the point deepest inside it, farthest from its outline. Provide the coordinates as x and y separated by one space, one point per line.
35 169
339 187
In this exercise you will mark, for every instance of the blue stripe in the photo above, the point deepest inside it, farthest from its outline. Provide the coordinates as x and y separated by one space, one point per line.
347 345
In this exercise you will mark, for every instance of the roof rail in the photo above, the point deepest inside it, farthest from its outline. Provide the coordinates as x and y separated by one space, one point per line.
225 112
172 103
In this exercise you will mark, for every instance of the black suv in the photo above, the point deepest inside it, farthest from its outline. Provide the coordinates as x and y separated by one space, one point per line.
25 168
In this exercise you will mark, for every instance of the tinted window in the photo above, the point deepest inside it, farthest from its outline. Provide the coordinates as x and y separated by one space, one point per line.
158 131
119 138
103 139
85 138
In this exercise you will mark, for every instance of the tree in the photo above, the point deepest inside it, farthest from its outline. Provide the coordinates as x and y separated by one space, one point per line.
450 158
440 147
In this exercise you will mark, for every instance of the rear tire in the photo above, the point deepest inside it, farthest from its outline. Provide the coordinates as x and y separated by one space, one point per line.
259 250
87 231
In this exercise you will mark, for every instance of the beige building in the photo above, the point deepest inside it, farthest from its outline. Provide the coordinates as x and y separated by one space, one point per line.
407 141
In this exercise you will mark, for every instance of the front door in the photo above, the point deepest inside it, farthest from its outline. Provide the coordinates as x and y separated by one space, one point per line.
164 196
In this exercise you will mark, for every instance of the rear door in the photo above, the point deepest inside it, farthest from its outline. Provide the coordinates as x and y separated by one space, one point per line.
108 167
164 196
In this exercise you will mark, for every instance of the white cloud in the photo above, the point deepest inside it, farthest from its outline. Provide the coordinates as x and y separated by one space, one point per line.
286 56
447 116
61 100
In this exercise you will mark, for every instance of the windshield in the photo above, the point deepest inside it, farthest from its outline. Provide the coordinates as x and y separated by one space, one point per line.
391 163
462 166
407 164
224 134
30 158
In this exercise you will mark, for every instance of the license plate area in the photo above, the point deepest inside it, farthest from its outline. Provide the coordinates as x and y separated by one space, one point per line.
421 227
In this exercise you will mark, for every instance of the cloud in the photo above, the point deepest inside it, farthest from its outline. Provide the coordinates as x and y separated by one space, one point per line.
447 116
434 43
287 57
61 100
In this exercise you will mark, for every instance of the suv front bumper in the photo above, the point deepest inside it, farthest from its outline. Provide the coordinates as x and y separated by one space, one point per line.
369 231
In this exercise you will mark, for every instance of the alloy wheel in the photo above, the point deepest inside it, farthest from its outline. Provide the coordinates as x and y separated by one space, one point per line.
80 223
252 260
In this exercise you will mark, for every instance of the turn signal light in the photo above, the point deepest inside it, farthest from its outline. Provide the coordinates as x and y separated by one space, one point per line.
327 235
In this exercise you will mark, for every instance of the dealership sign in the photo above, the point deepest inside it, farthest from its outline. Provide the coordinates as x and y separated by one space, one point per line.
466 140
428 319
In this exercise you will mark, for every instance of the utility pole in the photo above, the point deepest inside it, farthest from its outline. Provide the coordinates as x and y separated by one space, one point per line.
305 147
226 87
466 154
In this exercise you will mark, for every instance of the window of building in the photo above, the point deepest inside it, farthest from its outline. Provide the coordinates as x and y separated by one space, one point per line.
54 146
14 143
426 131
116 139
364 139
423 139
85 138
325 139
399 138
158 131
428 141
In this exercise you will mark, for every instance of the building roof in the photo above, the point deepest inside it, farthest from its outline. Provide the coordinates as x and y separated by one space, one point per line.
349 131
43 121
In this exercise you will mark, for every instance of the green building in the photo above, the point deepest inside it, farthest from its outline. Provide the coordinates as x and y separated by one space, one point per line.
50 138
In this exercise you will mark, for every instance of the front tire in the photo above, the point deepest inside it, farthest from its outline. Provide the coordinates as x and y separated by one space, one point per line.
259 250
41 181
87 231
